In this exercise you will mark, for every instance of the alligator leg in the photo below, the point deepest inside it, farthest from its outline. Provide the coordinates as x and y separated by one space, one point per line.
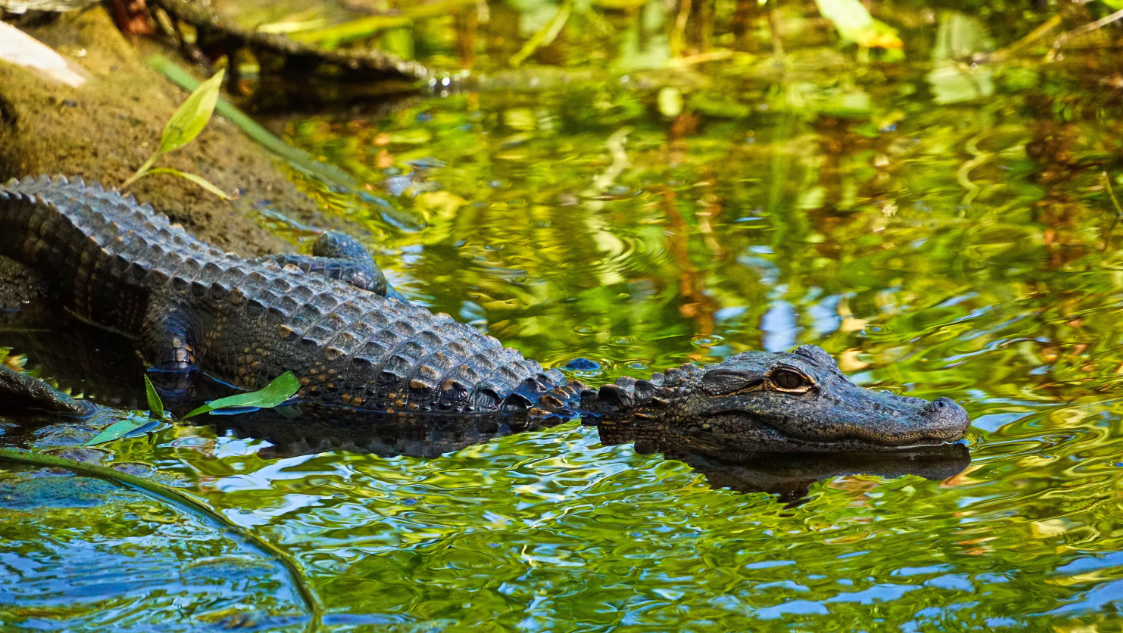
339 256
169 341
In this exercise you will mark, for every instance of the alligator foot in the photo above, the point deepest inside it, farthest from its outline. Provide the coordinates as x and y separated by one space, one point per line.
339 256
170 341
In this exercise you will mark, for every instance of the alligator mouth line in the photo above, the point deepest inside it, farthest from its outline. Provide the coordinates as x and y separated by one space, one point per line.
850 442
854 442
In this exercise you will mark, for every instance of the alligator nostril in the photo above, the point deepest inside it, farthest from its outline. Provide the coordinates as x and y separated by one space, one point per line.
939 407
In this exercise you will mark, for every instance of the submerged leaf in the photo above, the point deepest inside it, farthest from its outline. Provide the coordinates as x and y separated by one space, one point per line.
274 394
192 116
117 430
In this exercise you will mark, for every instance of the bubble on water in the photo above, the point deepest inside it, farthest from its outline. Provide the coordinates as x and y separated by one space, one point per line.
707 341
583 364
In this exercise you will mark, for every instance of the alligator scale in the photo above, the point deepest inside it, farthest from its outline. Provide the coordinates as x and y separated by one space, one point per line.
357 349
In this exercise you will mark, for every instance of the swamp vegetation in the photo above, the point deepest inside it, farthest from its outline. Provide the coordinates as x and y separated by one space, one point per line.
614 187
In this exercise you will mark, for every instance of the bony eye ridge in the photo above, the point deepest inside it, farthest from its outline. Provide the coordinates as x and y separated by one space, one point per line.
788 379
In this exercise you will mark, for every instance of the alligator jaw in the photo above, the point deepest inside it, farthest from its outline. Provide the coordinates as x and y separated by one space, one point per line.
769 439
893 422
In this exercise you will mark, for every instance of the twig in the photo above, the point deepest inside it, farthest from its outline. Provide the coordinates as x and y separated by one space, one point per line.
1006 52
1092 26
774 31
1118 210
678 35
1063 38
1111 194
544 36
182 500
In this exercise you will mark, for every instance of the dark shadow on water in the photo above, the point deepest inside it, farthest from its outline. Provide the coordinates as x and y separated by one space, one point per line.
789 476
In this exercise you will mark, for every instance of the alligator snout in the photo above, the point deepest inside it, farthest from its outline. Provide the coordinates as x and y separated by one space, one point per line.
946 419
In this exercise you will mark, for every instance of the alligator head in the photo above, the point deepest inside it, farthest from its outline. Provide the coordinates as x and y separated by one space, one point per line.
758 402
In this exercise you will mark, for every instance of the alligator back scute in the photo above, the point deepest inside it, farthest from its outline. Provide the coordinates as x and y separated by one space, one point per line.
126 267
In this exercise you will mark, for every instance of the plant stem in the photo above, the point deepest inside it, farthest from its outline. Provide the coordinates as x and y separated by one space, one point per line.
142 171
181 500
545 35
1111 194
296 157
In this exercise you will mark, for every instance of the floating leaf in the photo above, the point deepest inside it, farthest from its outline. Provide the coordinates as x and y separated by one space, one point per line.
276 393
192 116
117 430
848 16
155 405
195 178
854 23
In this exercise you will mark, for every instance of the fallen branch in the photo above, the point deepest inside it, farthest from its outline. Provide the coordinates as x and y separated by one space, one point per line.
280 55
1092 26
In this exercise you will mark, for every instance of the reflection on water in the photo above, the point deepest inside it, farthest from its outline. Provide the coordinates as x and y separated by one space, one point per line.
937 244
82 554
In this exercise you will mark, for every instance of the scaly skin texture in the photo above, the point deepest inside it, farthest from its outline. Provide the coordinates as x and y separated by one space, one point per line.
190 306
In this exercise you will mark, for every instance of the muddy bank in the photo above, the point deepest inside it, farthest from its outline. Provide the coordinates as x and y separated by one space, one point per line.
107 128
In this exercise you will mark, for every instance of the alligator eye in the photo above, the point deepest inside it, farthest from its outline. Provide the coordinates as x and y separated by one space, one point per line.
787 379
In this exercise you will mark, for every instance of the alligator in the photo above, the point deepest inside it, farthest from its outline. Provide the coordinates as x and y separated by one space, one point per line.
359 350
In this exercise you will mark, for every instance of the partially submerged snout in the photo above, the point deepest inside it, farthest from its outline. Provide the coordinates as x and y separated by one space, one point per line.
852 416
946 420
762 402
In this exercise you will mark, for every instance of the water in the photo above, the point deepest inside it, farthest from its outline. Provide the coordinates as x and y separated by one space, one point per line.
937 241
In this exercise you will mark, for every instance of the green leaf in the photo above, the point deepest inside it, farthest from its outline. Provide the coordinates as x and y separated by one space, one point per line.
116 431
192 116
670 102
959 36
854 23
195 178
155 405
848 16
274 394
